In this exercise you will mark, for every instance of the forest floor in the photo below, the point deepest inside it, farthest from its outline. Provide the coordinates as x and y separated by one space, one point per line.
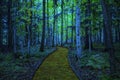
94 65
21 67
55 67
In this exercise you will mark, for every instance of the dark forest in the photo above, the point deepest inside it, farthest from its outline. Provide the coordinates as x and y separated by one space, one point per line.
59 40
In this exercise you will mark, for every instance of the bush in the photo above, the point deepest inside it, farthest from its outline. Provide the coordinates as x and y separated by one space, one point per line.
97 62
27 56
9 57
2 56
105 77
37 55
99 47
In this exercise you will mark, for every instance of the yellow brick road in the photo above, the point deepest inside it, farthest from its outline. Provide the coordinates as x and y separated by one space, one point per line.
55 67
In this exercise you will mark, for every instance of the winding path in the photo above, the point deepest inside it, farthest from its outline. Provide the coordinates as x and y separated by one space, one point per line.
55 67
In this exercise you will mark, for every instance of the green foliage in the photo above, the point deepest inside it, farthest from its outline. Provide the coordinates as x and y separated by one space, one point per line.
17 55
37 55
105 77
99 47
9 57
27 56
97 62
1 57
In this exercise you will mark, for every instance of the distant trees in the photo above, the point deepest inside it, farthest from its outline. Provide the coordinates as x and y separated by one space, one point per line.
49 23
88 32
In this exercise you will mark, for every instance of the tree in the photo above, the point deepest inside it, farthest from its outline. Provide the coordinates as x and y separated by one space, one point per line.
43 27
10 29
62 6
108 33
54 22
78 37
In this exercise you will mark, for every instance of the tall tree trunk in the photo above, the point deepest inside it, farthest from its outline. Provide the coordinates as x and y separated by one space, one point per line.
78 28
43 28
0 34
29 39
54 22
72 25
88 41
108 33
14 39
67 31
119 32
48 39
62 6
0 28
89 14
116 33
10 29
86 38
31 23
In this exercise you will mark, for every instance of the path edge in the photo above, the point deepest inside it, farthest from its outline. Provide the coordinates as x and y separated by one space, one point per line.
40 62
72 67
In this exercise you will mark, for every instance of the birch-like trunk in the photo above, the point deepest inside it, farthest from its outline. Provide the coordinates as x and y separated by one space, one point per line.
78 37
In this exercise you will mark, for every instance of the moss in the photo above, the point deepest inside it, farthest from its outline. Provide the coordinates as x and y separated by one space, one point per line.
55 67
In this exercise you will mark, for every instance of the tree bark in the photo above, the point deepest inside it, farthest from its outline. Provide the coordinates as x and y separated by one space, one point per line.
108 33
10 29
78 37
54 22
43 28
62 6
72 26
14 39
0 36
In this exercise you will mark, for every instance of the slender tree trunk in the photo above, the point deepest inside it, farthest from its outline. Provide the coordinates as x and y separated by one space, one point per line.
72 39
54 22
31 23
119 32
14 37
29 39
10 29
0 29
66 35
86 38
43 28
62 6
0 35
78 28
108 33
67 31
89 27
48 39
116 33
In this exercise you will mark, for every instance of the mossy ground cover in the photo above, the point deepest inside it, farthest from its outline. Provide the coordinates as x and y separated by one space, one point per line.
19 67
55 67
94 65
